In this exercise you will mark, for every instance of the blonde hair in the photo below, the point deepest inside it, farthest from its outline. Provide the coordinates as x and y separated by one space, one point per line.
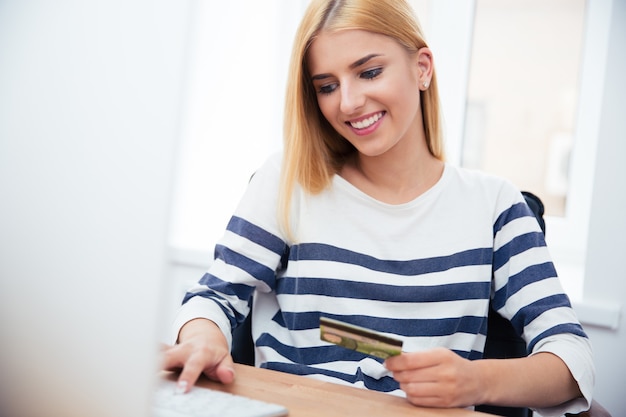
313 150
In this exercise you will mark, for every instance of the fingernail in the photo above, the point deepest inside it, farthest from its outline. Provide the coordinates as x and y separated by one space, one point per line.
181 387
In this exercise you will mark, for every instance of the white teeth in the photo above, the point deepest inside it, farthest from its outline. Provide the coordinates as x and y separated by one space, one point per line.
362 124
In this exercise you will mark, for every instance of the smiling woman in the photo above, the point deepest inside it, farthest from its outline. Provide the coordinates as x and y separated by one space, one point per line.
360 219
370 96
360 92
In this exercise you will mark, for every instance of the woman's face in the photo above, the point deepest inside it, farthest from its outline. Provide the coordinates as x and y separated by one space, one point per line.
368 88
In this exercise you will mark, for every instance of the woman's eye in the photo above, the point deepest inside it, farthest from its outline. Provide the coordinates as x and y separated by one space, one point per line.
370 74
327 89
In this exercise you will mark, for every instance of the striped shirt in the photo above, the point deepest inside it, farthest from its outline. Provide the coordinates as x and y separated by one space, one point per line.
423 271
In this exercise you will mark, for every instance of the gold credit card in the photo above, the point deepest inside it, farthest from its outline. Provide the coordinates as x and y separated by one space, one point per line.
359 338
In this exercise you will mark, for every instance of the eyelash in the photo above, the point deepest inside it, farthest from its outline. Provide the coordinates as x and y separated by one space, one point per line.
327 89
372 73
367 75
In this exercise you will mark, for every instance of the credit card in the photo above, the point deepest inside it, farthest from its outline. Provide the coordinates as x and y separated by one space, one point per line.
359 338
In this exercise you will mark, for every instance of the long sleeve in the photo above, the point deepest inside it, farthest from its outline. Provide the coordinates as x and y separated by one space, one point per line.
246 259
528 292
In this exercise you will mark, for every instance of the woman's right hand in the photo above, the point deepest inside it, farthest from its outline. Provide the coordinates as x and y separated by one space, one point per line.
201 348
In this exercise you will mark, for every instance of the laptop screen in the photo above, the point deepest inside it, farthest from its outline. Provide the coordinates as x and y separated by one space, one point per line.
89 119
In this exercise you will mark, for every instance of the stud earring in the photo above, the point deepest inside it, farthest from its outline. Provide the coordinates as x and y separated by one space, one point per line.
425 84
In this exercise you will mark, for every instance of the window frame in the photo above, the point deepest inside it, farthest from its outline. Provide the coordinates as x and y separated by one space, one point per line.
451 24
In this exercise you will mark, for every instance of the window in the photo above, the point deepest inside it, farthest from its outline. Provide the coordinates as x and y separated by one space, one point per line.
232 120
569 157
523 93
515 77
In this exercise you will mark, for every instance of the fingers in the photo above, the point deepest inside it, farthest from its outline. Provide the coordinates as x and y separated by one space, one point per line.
417 360
225 371
216 364
436 394
201 348
172 358
194 365
424 394
433 378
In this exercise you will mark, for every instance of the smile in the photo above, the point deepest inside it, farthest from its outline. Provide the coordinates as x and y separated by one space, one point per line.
367 122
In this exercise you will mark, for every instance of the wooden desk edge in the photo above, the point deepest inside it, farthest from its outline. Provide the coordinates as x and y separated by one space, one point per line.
307 397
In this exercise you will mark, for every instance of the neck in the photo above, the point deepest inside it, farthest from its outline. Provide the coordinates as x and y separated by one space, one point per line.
394 179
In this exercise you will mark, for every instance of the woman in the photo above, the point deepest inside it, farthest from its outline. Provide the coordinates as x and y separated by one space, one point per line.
362 220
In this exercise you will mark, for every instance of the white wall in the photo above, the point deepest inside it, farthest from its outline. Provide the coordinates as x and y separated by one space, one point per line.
605 276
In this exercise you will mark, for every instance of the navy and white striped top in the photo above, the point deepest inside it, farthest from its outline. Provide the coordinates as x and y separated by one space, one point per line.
424 271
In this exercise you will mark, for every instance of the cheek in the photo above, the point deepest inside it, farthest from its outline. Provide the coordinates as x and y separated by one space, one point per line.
404 89
405 97
327 107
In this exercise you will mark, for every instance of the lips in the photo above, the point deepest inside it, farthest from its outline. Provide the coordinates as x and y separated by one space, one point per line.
366 122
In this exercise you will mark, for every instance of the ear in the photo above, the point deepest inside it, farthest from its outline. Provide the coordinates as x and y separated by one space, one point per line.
425 67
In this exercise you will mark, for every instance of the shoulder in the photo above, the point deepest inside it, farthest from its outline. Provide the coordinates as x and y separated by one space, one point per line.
477 178
265 178
264 182
482 184
270 167
481 192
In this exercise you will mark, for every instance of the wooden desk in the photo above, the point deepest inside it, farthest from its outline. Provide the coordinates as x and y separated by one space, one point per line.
306 397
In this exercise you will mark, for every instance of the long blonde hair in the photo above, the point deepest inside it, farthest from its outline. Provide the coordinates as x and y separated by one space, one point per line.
313 150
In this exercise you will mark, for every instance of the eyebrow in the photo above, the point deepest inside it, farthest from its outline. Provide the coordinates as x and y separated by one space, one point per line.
355 64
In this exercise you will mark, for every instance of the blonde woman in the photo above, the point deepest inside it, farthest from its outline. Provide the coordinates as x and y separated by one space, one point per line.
361 219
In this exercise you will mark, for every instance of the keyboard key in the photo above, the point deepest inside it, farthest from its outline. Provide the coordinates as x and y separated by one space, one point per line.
203 402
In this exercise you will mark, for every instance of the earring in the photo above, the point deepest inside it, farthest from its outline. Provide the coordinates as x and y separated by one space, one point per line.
425 84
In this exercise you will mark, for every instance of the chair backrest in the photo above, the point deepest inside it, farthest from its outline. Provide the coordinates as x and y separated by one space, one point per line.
243 346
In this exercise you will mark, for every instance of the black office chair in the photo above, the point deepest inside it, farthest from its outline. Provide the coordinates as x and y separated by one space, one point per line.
243 346
502 341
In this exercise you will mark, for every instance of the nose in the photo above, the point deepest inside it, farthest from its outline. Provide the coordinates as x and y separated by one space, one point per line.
352 98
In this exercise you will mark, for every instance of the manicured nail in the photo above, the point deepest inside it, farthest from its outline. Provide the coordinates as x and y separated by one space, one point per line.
224 377
181 387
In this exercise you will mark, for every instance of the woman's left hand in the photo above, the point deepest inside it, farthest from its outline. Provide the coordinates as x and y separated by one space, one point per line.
436 378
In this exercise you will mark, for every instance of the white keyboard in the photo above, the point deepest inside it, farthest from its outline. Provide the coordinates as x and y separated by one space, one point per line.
202 402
